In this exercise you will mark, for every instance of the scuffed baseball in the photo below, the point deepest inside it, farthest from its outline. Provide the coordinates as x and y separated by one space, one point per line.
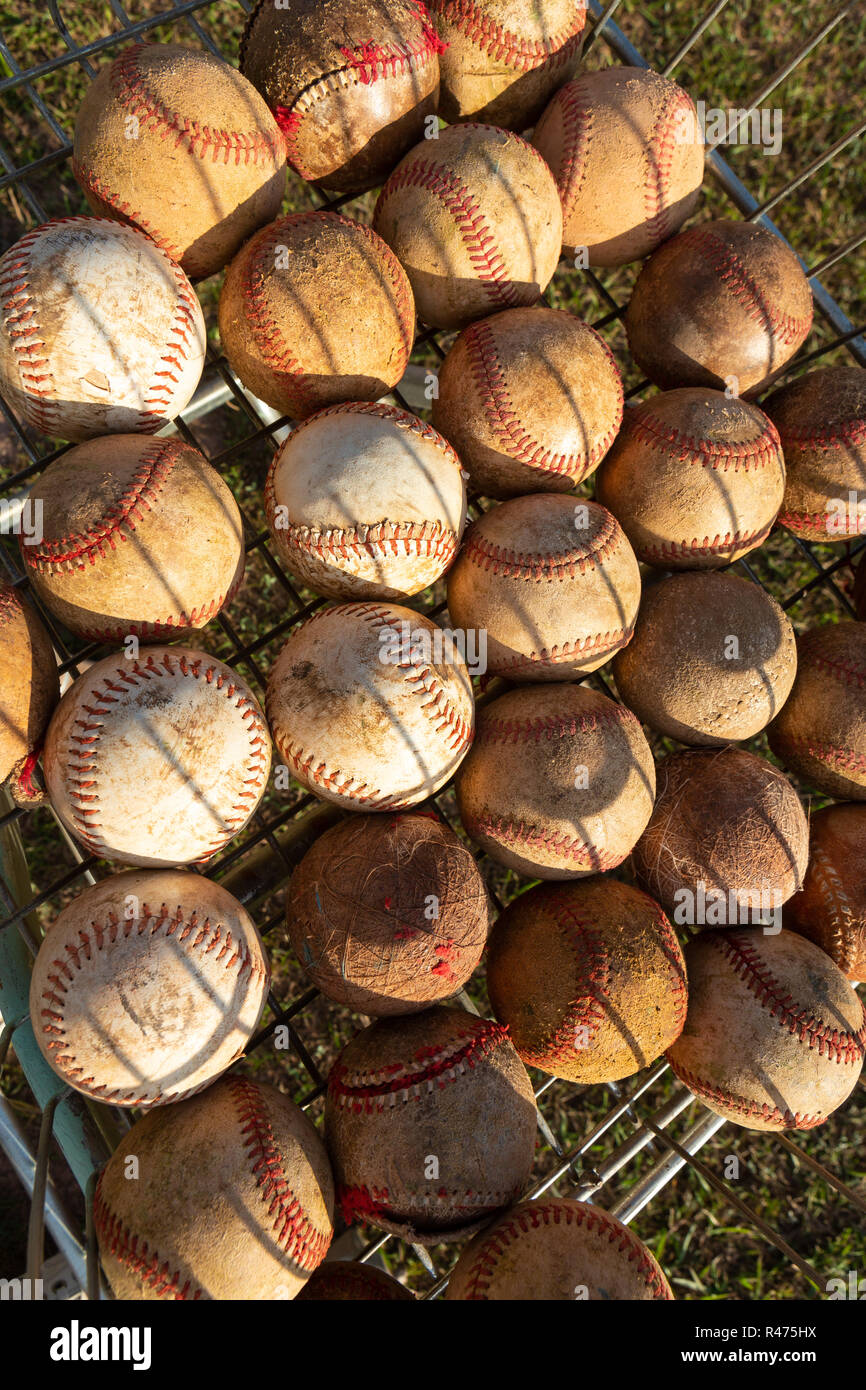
820 732
147 987
552 582
626 150
831 909
474 218
370 706
588 978
139 536
29 687
343 1281
695 479
531 399
430 1124
775 1035
366 501
100 332
559 782
180 145
159 759
233 1199
315 309
712 659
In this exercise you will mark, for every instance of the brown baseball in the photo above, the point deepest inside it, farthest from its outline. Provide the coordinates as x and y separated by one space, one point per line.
531 399
555 1249
552 582
821 419
627 153
348 1281
350 87
29 688
139 536
775 1035
724 304
588 978
430 1125
504 59
316 309
559 782
831 910
712 659
474 218
728 840
696 479
180 145
233 1199
388 914
820 732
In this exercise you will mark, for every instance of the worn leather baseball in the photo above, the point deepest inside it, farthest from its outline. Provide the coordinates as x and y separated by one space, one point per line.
555 1249
712 659
233 1199
366 501
728 839
140 536
531 399
820 732
627 153
29 688
559 782
504 59
588 978
351 87
723 304
553 583
100 332
388 914
695 479
159 759
348 1281
821 419
370 706
147 987
474 218
180 145
315 309
831 910
430 1125
775 1035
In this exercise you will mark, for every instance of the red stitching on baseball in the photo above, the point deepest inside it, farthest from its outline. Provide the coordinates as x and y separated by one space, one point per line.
848 759
521 564
520 837
552 726
365 1204
719 545
401 418
825 525
852 432
725 262
577 120
92 183
568 651
25 334
592 966
841 670
136 1256
182 333
503 45
364 1092
741 1105
711 453
661 144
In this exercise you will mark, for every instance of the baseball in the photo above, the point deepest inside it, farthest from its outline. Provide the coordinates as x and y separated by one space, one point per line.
559 782
139 536
774 1036
712 658
29 688
233 1199
370 706
556 1249
366 501
348 1280
503 59
100 332
430 1125
147 987
474 218
627 153
315 309
552 581
724 304
180 145
531 399
388 914
728 840
696 479
821 419
588 978
157 760
820 732
351 87
831 910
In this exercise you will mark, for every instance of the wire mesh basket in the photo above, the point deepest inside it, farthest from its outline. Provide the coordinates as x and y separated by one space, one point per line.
644 1149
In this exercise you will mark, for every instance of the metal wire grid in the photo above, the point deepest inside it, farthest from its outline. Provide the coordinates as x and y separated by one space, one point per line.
262 857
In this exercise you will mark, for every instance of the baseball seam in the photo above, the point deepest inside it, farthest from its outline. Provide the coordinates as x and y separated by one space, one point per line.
524 564
819 524
552 726
847 432
592 972
759 452
92 183
661 145
849 760
25 334
728 266
521 838
124 1246
838 905
718 545
578 650
385 1088
362 1203
577 122
741 1105
503 45
841 670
